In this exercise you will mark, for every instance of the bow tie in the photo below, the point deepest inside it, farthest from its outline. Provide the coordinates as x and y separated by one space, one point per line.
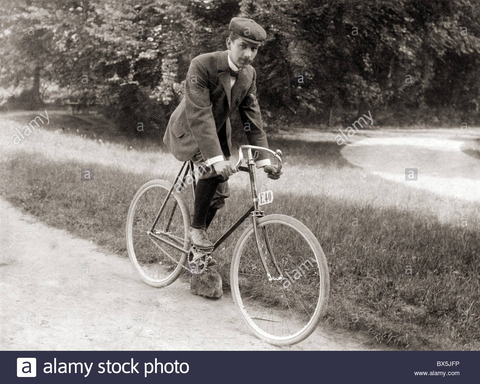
233 73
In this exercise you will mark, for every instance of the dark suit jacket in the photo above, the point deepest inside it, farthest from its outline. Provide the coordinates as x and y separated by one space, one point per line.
201 122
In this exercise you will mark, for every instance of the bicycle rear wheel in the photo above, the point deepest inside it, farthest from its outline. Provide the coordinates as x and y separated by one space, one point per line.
284 310
154 249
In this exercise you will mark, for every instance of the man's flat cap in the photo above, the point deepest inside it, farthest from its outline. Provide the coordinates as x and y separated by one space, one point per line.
248 29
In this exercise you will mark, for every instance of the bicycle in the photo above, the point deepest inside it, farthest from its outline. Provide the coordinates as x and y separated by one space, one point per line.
279 274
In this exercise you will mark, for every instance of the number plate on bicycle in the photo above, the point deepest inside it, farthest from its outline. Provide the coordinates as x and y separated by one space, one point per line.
265 197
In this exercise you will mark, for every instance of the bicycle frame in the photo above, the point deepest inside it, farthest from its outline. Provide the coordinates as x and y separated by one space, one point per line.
253 211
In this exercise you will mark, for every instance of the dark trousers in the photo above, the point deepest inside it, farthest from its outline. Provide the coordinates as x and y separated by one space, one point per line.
210 194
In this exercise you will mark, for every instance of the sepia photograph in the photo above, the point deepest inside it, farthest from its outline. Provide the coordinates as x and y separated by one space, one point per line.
240 175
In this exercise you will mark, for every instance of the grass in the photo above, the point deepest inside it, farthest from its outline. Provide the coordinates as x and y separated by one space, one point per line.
89 126
404 263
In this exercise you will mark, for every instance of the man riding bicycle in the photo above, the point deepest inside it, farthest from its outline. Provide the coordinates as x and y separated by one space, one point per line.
199 129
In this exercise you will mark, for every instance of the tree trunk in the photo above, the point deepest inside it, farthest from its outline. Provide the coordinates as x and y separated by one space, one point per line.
363 107
35 91
331 102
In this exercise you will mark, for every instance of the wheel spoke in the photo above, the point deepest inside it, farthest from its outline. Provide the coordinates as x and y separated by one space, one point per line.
281 311
157 264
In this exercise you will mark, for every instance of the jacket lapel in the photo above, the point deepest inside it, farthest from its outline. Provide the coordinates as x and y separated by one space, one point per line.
224 75
242 82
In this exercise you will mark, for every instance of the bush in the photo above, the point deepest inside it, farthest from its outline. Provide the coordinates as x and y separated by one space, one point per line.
26 100
136 114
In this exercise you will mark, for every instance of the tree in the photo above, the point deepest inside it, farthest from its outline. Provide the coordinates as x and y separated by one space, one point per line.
320 55
26 46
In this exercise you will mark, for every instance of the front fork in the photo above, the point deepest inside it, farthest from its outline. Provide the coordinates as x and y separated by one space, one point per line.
257 213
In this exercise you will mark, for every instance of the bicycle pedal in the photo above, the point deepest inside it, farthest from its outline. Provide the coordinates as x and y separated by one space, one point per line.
197 267
196 262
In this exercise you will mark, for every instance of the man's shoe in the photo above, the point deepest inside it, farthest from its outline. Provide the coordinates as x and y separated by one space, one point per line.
200 239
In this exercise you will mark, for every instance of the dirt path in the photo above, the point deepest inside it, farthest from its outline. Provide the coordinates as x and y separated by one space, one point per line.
437 154
60 292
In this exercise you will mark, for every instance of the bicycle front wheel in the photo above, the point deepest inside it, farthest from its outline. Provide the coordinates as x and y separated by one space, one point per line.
156 241
285 308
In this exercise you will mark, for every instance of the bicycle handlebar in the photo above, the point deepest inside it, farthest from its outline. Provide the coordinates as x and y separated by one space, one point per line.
277 155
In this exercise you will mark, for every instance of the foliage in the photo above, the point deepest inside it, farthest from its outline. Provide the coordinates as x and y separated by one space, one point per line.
320 55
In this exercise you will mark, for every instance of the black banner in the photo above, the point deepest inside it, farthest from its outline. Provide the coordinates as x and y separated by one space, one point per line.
238 367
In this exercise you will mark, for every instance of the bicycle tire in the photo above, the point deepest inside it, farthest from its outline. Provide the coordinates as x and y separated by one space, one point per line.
244 274
148 260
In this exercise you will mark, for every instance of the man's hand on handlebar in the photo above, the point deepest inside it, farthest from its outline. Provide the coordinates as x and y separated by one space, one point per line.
224 169
272 172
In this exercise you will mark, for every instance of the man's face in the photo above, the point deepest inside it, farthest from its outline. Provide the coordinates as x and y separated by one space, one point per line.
241 51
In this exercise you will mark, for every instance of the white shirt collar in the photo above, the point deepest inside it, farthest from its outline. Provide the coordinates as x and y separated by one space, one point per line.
232 66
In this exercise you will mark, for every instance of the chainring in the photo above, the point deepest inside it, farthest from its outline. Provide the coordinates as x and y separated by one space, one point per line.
198 260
